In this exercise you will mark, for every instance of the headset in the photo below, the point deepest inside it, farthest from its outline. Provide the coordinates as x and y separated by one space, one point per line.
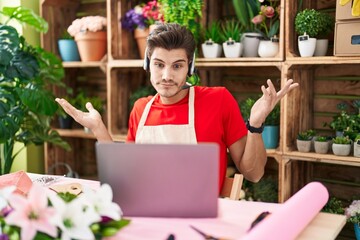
70 173
191 64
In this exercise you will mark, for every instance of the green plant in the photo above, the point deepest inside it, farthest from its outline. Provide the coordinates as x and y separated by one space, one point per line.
267 20
326 25
139 93
231 30
273 119
306 135
342 140
186 13
213 33
66 35
245 11
26 75
245 107
342 121
334 205
321 139
308 21
82 98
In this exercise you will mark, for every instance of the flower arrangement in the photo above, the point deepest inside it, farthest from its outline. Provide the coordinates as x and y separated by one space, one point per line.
142 16
267 21
353 212
88 23
46 215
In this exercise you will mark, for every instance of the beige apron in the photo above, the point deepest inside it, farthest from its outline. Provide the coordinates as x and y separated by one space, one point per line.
169 133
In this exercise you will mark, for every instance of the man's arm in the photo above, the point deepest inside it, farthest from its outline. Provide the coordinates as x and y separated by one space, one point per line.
249 153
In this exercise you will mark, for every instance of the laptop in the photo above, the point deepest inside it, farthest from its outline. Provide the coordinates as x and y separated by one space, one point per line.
161 180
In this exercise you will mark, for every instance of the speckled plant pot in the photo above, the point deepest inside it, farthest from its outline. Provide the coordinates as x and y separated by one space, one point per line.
321 147
357 149
341 149
303 146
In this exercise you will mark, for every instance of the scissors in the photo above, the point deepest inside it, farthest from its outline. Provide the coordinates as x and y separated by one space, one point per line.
207 236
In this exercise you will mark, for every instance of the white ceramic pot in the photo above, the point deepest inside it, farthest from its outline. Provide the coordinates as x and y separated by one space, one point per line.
341 149
232 49
357 149
306 46
250 43
321 47
268 48
211 50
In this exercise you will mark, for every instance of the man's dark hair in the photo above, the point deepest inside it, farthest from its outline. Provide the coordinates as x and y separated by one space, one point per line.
171 36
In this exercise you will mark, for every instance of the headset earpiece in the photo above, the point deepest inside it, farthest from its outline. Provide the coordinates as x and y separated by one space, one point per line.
146 61
192 66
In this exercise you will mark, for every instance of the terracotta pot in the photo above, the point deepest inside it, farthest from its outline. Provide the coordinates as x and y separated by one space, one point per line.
140 35
91 45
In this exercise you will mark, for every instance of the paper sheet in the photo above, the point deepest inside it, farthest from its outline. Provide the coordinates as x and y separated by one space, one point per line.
293 216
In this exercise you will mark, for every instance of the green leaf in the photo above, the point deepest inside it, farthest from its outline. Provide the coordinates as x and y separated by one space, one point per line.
28 16
38 100
9 42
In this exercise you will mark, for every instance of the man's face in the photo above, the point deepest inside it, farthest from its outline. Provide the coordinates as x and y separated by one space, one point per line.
168 73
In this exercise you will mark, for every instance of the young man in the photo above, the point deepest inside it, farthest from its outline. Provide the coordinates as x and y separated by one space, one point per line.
182 114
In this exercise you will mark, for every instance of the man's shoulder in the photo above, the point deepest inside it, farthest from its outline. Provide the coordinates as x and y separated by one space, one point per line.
213 92
141 102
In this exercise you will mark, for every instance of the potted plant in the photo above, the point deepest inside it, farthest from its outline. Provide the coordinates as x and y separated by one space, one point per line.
341 145
231 31
304 139
321 144
140 20
306 25
325 27
357 146
246 10
334 206
353 215
211 48
342 121
270 134
67 48
268 25
90 36
27 73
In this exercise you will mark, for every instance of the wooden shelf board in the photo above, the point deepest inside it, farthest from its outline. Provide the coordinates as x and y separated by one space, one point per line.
209 62
82 64
75 133
80 133
323 158
321 60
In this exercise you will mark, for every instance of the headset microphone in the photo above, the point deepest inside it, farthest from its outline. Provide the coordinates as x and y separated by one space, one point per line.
186 86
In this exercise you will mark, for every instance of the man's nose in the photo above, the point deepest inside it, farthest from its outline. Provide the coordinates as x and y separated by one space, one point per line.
167 73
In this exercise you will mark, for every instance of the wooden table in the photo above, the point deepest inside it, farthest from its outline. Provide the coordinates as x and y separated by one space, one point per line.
233 222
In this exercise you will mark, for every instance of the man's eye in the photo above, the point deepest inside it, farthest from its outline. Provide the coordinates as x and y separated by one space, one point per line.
160 65
177 66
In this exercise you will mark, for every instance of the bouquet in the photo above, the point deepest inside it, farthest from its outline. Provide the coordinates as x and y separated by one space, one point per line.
142 16
44 214
88 23
353 212
267 20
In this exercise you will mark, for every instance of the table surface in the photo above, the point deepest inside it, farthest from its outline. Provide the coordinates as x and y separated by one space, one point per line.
233 221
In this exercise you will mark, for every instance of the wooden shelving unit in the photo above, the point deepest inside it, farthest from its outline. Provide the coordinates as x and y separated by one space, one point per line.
120 73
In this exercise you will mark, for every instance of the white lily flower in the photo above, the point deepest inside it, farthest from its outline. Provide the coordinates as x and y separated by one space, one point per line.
74 218
4 195
102 202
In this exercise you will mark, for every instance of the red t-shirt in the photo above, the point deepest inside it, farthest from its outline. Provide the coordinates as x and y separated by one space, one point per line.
217 118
